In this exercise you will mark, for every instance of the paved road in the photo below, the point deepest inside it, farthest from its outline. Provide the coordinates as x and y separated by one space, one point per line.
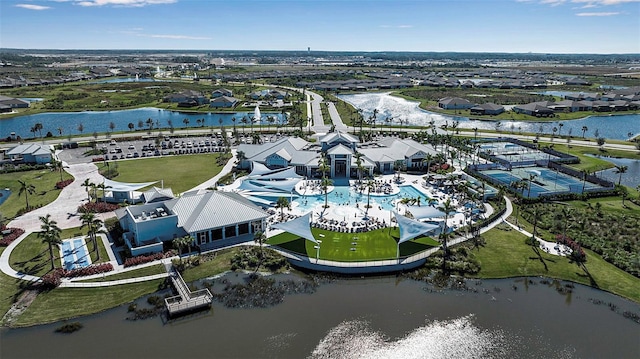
335 118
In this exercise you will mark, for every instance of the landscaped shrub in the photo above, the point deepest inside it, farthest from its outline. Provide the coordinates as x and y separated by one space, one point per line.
63 184
99 207
90 270
52 279
137 260
577 253
11 236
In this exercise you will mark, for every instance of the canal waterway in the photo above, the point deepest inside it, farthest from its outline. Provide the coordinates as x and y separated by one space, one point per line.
380 317
99 121
610 127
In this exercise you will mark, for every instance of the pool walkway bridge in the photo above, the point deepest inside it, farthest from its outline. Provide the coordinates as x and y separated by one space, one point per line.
186 300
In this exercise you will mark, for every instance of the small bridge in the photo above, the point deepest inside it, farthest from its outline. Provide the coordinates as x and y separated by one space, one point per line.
186 300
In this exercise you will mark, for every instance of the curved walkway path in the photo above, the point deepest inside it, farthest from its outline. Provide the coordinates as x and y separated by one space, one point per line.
62 210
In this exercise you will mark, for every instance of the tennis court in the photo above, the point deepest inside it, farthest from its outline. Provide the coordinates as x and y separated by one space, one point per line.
515 153
541 181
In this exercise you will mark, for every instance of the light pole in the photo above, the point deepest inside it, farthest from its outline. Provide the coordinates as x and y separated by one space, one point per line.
317 248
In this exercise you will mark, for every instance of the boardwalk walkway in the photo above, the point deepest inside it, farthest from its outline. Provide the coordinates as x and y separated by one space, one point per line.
186 300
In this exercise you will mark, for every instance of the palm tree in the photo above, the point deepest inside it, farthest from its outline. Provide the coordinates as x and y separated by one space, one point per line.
567 214
131 126
80 128
370 185
50 234
27 189
233 119
532 176
181 243
584 129
428 158
87 184
259 237
94 226
324 184
446 207
244 121
281 204
186 124
620 169
359 166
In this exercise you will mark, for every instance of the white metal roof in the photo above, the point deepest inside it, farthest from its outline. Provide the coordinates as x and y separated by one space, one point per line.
213 210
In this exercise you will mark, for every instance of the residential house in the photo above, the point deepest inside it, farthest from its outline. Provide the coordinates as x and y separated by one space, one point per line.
455 103
223 102
221 92
487 109
13 102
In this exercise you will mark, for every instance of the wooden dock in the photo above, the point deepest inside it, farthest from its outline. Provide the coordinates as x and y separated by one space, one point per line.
186 300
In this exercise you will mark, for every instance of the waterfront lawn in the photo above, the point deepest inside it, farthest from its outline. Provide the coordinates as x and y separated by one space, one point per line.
44 182
181 173
135 273
374 245
9 288
221 263
588 161
31 256
506 255
65 303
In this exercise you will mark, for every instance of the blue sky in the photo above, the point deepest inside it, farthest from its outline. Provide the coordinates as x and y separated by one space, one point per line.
539 26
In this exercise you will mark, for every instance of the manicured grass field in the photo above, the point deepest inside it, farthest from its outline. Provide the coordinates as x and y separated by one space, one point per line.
506 255
368 246
181 173
65 303
31 256
44 182
9 287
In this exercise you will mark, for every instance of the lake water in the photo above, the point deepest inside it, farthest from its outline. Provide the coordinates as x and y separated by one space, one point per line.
631 178
4 195
611 127
380 317
99 121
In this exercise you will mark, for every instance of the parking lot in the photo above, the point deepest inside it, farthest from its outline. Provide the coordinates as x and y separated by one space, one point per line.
118 149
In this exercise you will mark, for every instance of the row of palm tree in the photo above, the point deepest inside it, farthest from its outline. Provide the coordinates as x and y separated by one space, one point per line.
50 233
88 185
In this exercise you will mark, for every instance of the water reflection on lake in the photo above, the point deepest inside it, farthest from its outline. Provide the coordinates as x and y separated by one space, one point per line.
99 121
613 127
381 317
630 178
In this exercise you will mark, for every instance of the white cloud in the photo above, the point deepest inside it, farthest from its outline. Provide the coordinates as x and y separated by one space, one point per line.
123 3
552 2
604 2
33 7
597 14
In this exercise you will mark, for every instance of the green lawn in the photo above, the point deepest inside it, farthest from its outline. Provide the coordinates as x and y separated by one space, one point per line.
181 173
9 287
141 272
31 256
65 303
44 182
506 255
220 264
375 245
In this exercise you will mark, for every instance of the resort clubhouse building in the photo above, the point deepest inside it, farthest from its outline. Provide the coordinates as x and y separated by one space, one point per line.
213 219
342 151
